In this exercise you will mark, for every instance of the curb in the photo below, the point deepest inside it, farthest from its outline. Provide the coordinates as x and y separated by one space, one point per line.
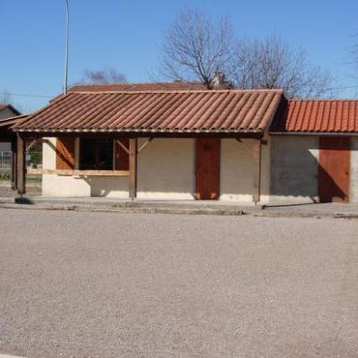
167 208
124 209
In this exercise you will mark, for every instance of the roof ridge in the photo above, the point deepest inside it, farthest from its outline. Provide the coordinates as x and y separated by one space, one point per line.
182 91
323 100
134 83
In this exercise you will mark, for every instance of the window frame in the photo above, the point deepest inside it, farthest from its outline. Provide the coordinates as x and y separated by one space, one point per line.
97 151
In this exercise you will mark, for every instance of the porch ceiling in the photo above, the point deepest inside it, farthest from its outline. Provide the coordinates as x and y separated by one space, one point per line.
219 111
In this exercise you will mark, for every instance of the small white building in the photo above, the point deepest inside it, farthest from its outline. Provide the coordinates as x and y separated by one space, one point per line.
126 141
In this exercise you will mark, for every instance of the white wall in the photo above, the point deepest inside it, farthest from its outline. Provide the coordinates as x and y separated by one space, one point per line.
166 170
354 171
67 186
237 170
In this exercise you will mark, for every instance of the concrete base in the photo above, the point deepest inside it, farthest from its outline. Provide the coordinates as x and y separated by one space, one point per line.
143 206
308 210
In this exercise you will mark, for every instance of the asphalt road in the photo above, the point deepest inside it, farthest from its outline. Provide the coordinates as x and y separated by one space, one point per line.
76 284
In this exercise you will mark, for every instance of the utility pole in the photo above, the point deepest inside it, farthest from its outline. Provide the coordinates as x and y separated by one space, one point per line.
66 47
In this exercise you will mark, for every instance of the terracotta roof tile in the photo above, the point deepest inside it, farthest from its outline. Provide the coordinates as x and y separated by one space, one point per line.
315 115
150 86
157 111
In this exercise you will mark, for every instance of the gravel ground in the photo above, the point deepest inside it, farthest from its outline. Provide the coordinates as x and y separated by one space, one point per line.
80 284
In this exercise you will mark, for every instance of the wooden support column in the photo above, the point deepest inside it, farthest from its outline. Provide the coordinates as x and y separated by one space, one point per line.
133 152
257 171
13 164
21 165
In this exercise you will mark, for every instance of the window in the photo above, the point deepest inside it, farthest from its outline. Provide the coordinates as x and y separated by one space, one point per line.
96 153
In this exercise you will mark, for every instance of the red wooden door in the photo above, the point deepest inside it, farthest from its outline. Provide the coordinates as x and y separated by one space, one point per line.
121 157
207 168
334 169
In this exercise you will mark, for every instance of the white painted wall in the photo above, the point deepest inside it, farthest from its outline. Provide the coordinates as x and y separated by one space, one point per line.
354 171
237 171
66 186
166 170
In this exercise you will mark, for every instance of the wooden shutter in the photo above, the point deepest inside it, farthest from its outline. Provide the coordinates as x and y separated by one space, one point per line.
65 153
121 156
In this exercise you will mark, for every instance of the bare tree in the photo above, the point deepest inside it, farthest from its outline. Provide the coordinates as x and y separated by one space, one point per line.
5 97
196 47
104 76
273 63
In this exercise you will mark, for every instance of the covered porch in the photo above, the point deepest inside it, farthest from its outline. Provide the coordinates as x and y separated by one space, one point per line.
173 145
158 167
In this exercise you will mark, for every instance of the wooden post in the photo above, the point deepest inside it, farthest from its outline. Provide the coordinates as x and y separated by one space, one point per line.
133 151
257 171
13 164
21 165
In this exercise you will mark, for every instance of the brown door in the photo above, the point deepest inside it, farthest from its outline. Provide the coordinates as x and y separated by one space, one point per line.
121 156
207 168
334 166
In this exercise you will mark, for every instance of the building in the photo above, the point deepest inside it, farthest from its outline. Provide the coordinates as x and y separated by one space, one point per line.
6 111
8 140
182 142
314 151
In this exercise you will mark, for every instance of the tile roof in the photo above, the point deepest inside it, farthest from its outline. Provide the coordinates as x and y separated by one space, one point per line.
312 116
157 111
7 122
3 105
153 86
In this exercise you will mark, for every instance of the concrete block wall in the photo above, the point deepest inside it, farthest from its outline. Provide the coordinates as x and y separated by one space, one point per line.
294 168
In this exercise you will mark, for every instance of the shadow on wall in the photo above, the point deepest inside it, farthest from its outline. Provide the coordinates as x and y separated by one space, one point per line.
296 172
107 186
328 189
294 167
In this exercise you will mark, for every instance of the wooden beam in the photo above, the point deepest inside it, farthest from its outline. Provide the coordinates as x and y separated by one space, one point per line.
145 144
13 165
257 149
122 146
70 172
133 152
21 165
36 140
32 143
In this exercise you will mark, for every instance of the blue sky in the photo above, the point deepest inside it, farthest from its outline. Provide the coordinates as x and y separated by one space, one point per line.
127 35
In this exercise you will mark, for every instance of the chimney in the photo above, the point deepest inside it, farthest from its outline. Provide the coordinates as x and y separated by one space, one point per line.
219 79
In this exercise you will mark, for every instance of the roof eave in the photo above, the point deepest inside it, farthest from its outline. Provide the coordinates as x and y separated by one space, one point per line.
335 134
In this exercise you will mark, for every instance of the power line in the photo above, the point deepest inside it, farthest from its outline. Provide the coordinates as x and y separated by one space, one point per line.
26 95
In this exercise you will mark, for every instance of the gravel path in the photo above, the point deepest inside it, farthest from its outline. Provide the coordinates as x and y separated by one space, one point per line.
79 284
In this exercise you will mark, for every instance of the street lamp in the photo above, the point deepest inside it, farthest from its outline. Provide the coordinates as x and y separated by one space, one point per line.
66 47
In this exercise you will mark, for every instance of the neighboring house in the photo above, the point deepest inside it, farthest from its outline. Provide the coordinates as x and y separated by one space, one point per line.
181 142
6 111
